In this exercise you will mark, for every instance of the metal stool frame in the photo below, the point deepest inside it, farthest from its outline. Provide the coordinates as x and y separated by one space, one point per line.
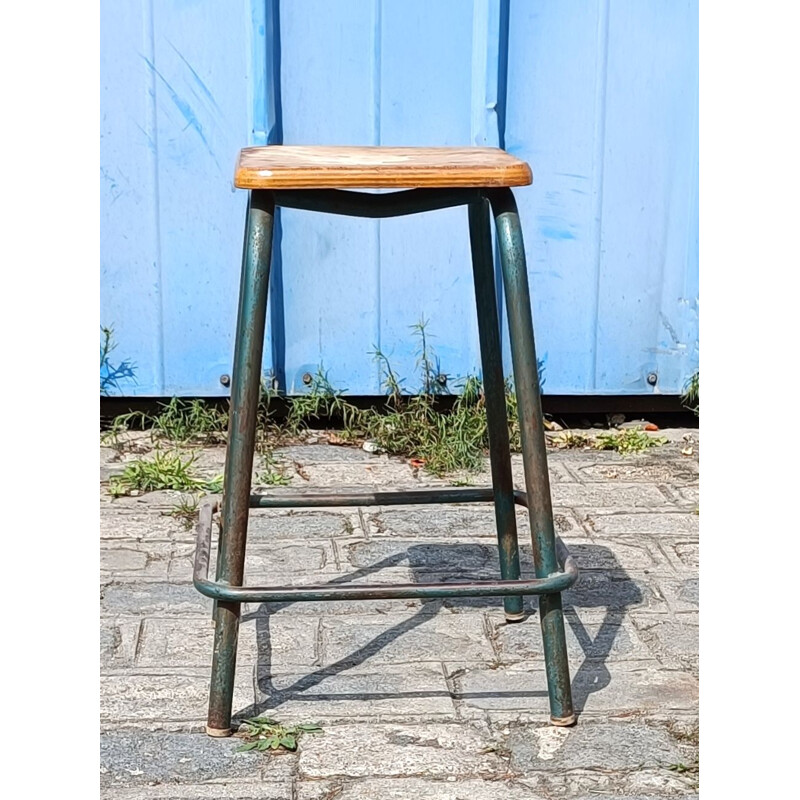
554 568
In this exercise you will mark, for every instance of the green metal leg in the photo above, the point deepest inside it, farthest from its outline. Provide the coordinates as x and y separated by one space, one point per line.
246 385
537 481
494 390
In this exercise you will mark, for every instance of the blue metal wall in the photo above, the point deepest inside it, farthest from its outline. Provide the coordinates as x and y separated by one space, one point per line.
600 96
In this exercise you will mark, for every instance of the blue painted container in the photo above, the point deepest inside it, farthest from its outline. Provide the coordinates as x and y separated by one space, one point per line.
600 96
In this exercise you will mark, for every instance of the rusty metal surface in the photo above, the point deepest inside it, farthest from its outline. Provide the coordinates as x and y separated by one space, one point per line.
555 569
534 454
495 396
245 390
278 498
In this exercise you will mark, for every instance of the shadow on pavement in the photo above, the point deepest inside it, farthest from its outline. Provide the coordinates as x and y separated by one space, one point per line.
603 585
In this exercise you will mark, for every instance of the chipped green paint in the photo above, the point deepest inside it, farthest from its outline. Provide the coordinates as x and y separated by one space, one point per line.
555 569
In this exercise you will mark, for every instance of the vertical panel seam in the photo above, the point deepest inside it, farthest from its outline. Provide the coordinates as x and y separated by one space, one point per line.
489 94
376 111
273 110
692 228
481 78
601 85
259 84
502 109
502 72
157 205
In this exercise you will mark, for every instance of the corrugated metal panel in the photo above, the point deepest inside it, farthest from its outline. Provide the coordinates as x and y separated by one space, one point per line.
604 106
176 107
600 97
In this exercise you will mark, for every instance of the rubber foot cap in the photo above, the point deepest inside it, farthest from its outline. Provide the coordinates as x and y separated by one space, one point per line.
563 722
515 617
218 733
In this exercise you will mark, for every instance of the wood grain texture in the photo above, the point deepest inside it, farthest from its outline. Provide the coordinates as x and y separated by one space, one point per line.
286 167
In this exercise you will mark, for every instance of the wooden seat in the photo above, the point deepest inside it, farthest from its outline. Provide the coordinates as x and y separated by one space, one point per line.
285 167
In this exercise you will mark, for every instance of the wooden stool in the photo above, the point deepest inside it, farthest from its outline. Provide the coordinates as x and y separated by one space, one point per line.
313 178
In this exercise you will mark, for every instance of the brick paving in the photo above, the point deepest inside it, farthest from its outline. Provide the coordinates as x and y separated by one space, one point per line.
437 699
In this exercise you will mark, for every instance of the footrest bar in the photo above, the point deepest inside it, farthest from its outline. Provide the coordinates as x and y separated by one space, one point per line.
338 497
557 582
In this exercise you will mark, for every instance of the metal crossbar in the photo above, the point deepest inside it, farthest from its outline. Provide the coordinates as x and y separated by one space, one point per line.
557 582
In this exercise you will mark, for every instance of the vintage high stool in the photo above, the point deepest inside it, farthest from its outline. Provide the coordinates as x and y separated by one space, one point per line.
315 179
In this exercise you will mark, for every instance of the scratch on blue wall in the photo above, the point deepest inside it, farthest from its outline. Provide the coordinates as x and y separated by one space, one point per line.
186 110
553 228
203 88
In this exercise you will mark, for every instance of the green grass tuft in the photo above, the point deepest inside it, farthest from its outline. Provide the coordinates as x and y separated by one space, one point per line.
627 441
186 510
165 470
261 733
111 374
573 440
691 394
273 474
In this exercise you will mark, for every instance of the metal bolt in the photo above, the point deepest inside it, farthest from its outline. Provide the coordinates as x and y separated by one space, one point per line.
225 380
307 378
652 378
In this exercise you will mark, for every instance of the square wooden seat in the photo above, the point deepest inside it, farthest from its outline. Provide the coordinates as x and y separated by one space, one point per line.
285 167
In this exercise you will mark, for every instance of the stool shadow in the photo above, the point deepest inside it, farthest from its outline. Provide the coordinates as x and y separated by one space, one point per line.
604 585
608 587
